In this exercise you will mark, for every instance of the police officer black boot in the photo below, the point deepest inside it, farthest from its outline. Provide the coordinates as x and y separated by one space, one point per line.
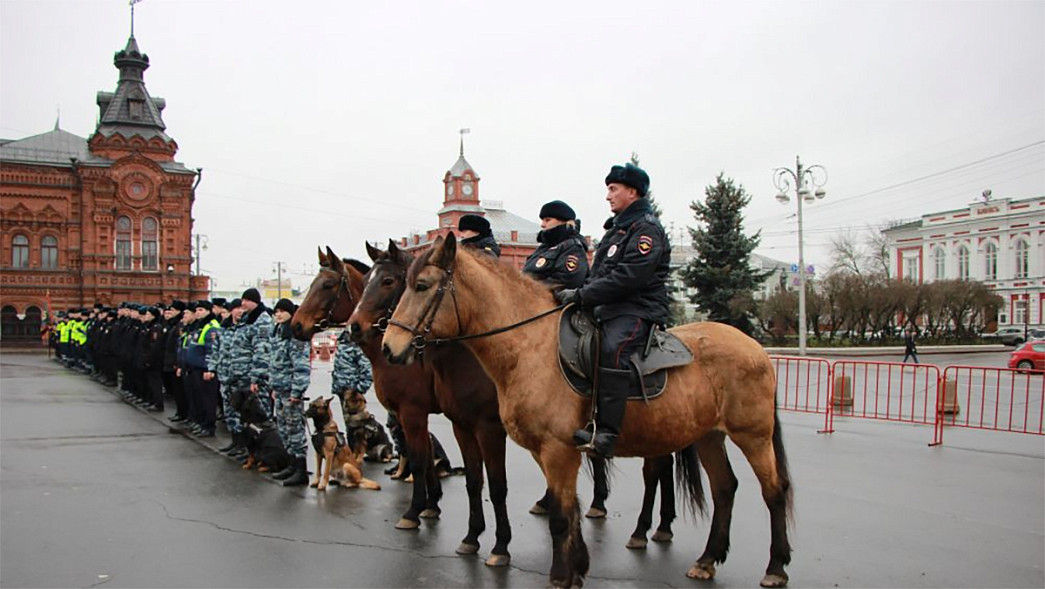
614 386
228 447
300 475
286 472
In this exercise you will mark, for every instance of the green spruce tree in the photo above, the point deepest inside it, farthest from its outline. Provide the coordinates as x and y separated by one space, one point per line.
721 272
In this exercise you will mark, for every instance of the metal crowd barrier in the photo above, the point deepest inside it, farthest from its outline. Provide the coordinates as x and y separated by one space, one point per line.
976 397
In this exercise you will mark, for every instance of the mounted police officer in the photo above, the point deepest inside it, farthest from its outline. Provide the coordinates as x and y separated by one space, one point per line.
562 257
476 233
628 291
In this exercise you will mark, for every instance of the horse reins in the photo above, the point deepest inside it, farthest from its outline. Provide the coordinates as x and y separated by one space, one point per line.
420 339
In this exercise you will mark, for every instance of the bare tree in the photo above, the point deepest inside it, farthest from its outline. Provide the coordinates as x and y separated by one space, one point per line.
846 252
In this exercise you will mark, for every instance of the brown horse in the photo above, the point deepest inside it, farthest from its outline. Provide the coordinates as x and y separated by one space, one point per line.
409 391
464 393
728 390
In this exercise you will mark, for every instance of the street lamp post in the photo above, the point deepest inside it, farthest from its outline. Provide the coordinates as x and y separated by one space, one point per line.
802 177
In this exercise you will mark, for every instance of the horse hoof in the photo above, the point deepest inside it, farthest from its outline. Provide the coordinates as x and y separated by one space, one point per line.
595 513
498 560
636 543
466 548
662 536
702 571
431 513
407 524
773 581
538 509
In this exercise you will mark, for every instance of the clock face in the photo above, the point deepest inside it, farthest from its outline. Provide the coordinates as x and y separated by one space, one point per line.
467 190
449 189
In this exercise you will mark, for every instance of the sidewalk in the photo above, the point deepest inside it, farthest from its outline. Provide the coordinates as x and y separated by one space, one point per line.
886 350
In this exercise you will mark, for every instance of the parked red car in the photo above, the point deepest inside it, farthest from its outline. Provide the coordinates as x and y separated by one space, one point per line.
1029 356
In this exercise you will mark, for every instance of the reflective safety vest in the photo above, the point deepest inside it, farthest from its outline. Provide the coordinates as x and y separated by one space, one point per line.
202 337
79 332
64 331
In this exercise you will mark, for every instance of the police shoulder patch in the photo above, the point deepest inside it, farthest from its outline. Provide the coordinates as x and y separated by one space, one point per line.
572 263
645 244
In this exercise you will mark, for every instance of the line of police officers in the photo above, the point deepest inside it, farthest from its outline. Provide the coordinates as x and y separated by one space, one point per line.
200 354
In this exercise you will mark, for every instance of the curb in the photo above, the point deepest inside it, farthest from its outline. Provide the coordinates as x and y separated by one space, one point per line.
882 351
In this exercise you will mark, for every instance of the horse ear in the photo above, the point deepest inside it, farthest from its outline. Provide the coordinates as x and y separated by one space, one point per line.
322 257
373 252
445 251
393 249
334 261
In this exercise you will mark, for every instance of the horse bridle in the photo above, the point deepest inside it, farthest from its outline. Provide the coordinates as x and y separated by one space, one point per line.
427 318
327 322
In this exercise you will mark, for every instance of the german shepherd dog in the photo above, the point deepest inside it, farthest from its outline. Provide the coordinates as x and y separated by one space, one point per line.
377 447
265 448
341 459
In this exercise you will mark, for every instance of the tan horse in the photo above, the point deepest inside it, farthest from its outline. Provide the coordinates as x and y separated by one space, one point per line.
728 390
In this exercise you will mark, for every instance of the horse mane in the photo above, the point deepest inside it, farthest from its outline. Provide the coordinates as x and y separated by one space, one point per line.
363 268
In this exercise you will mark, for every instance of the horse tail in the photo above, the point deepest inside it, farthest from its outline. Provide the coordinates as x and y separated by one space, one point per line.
608 468
688 481
783 474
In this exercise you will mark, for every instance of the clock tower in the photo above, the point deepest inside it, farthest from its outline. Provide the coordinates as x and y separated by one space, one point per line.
460 192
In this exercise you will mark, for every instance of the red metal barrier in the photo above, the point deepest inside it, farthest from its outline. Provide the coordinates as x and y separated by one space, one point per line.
998 399
803 385
886 391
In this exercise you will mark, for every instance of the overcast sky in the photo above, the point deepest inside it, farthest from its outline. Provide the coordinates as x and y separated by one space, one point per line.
331 123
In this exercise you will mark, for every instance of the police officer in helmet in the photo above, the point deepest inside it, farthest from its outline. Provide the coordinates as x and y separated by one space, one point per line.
628 291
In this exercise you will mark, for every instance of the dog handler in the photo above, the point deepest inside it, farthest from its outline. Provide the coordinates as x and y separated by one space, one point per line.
290 374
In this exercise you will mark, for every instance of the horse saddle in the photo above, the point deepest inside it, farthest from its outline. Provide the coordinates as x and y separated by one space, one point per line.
579 352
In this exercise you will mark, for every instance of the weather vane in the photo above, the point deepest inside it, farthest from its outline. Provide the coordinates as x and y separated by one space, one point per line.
462 131
132 3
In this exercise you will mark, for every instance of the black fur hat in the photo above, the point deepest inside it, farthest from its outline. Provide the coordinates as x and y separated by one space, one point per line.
557 209
474 223
629 175
178 305
219 302
251 294
286 305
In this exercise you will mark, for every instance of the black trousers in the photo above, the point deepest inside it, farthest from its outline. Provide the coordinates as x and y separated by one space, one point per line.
154 386
176 389
206 393
622 336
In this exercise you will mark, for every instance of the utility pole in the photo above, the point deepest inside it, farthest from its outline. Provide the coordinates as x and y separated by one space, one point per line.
279 279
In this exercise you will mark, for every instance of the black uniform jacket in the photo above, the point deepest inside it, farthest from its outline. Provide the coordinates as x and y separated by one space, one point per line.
484 243
561 258
630 271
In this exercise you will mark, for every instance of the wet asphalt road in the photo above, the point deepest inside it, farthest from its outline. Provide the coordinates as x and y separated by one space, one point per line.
94 492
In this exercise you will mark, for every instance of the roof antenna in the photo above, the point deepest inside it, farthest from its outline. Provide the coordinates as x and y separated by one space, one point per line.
58 117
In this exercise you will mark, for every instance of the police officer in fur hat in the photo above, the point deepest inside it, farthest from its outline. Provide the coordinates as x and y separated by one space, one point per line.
476 233
628 291
562 257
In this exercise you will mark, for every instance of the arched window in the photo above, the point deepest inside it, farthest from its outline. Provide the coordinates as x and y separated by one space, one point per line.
150 244
990 270
123 243
20 251
49 252
963 263
1022 259
940 263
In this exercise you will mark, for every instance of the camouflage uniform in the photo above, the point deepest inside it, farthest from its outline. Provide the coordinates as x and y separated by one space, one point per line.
290 373
352 371
252 362
225 348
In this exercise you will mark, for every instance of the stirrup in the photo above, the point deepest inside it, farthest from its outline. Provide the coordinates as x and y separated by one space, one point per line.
588 446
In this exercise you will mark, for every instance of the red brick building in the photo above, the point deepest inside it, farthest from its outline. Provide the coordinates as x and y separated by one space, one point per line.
101 219
516 235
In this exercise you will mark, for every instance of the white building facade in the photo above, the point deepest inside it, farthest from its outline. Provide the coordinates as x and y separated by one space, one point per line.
997 242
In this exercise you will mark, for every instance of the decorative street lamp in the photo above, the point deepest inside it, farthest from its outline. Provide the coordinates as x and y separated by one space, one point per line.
802 177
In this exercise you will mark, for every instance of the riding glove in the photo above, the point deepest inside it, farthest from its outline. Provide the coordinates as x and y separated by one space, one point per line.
568 295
